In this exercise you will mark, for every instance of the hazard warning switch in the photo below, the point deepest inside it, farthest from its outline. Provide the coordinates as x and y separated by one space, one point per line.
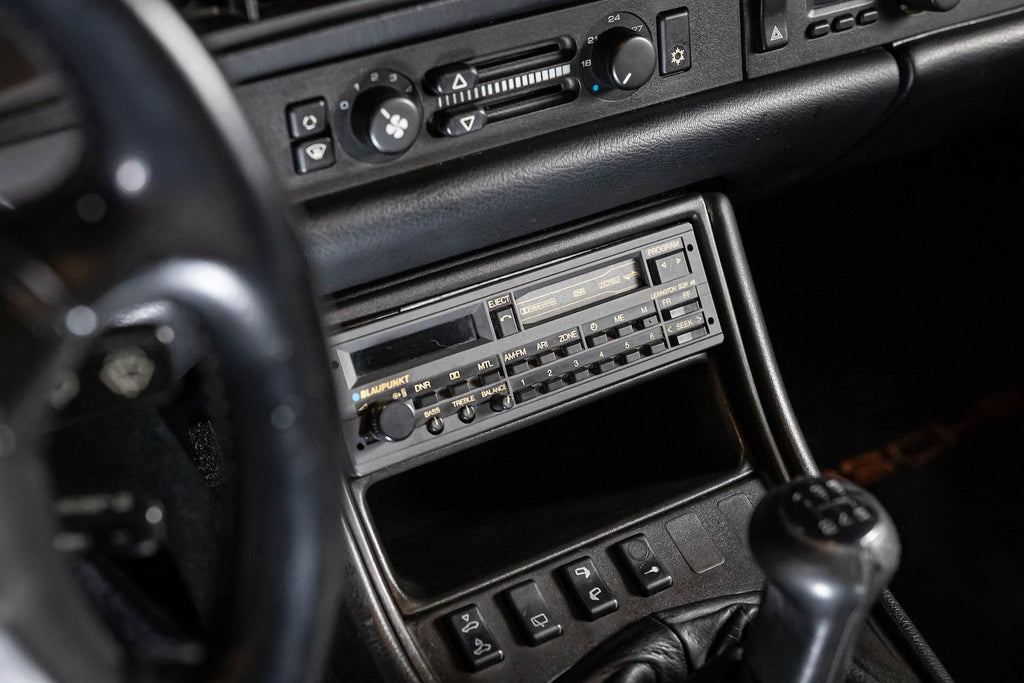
774 31
455 122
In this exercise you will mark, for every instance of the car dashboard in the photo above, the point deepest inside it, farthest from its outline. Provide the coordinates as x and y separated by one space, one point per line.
558 400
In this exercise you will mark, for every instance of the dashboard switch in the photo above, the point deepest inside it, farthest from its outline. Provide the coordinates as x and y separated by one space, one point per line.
643 566
474 640
313 155
457 122
444 80
307 119
591 592
843 23
674 42
773 31
531 612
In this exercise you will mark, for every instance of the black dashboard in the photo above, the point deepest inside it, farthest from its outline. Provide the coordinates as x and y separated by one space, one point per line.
553 375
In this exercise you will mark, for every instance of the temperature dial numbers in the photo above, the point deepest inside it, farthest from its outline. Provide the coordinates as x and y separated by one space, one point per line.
381 116
618 56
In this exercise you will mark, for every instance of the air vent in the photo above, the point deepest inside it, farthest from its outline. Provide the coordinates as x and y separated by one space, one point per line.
206 16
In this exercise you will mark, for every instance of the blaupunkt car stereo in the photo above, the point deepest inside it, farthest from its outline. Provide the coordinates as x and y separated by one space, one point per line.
469 361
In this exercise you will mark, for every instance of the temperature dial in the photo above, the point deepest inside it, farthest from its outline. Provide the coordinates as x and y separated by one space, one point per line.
618 56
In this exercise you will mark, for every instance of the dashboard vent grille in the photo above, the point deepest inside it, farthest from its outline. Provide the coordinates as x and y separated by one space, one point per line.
206 16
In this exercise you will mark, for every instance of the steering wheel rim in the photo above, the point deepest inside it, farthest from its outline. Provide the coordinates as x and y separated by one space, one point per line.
191 216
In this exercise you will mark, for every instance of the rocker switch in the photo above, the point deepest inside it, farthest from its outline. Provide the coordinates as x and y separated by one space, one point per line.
771 24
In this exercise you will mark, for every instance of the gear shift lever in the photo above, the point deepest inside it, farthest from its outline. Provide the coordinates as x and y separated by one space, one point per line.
827 549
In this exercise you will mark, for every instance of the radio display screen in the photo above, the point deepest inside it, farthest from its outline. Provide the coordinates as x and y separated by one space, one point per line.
426 343
540 304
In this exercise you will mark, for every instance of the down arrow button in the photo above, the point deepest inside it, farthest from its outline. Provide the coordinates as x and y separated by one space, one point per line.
456 122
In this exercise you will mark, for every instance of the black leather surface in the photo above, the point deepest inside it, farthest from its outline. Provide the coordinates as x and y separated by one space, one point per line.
702 643
962 82
773 128
669 645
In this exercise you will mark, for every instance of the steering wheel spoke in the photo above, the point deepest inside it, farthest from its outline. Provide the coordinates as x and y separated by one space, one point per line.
175 204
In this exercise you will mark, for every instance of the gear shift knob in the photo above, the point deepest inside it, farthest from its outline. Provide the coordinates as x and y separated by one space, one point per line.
827 549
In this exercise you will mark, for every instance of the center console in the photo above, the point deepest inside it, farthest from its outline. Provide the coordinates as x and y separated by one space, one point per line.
545 456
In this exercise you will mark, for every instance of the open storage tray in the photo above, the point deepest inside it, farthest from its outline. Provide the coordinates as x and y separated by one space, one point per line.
499 504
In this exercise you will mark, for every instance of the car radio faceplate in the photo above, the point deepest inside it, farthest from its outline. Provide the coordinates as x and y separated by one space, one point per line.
458 365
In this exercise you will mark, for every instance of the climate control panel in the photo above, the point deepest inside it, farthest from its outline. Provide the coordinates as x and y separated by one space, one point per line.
416 105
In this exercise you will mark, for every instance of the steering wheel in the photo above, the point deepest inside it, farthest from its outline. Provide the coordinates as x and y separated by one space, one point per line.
191 216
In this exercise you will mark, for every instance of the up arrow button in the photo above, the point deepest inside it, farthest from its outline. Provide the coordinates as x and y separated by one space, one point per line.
451 78
461 121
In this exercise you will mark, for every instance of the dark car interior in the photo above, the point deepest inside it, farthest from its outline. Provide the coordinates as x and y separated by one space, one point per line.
480 341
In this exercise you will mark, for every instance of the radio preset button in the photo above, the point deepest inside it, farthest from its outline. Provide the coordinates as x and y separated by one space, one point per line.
525 394
602 365
553 384
628 356
580 373
435 425
654 347
467 414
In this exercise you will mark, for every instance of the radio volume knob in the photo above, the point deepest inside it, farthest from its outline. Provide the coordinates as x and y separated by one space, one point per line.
390 421
625 58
